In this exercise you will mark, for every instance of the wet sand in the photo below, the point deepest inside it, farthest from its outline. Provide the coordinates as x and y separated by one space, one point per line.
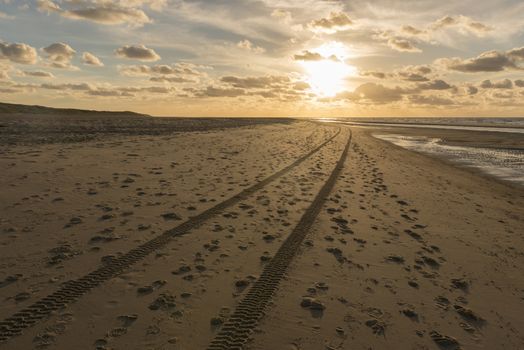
178 233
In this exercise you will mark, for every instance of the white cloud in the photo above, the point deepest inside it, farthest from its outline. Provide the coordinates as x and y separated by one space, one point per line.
249 46
91 60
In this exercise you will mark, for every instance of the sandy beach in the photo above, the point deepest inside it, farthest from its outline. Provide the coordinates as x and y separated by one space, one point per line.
254 234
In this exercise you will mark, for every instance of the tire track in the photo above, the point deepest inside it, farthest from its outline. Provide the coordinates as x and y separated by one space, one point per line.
72 290
237 329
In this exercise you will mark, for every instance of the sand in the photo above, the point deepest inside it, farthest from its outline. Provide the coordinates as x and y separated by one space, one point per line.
268 228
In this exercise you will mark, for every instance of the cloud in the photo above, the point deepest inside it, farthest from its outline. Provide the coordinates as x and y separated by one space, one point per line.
249 46
308 56
373 93
38 74
137 52
164 79
490 61
517 53
374 74
110 14
503 84
18 53
463 23
281 14
212 91
379 93
47 6
434 85
402 45
68 86
506 94
4 72
60 51
445 21
107 93
519 83
336 21
60 55
283 88
430 100
472 90
407 29
91 60
181 68
256 82
408 76
8 90
104 12
103 91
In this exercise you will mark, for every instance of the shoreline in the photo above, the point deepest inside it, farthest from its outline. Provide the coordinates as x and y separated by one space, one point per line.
495 141
469 169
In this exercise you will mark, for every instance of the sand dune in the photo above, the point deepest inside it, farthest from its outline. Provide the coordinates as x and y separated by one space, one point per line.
266 235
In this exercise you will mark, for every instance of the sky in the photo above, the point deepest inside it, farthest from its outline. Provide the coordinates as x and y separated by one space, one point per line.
307 58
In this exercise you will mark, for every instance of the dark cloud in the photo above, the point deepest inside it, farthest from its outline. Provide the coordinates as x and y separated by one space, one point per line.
38 74
308 56
464 22
472 90
212 91
519 83
103 12
255 82
409 76
490 61
104 91
375 93
503 84
185 72
107 93
411 30
445 22
18 53
517 53
8 90
163 79
430 100
335 21
59 55
375 74
434 85
402 45
69 86
137 52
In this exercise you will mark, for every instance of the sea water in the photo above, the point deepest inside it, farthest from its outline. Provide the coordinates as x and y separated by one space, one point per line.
506 164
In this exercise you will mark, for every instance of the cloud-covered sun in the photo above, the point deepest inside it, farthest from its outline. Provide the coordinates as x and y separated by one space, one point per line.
327 75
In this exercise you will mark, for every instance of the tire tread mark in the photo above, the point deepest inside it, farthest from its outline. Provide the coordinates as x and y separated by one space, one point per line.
72 290
237 329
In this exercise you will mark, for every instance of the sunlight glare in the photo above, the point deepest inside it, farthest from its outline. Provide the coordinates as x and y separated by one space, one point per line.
327 76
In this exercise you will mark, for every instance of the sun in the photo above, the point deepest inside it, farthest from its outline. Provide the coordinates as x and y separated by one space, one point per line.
327 76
